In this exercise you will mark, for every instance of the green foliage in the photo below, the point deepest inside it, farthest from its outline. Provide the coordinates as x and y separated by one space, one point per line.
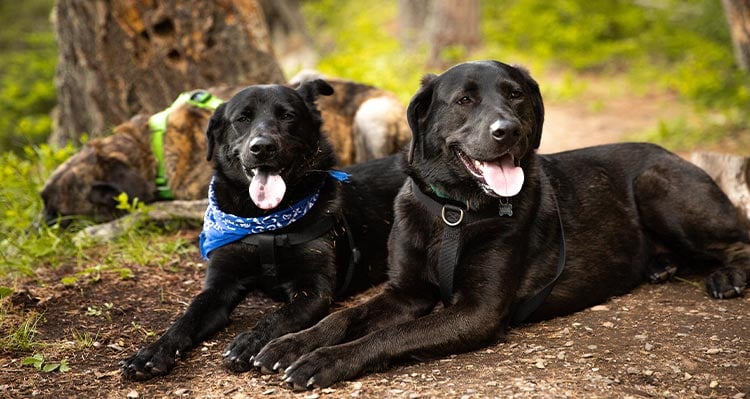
27 69
22 247
678 45
38 362
675 45
358 43
25 245
21 337
84 340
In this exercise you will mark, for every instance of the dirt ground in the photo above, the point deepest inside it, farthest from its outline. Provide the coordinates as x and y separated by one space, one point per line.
669 340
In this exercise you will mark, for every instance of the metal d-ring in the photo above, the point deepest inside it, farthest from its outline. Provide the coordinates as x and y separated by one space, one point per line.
455 209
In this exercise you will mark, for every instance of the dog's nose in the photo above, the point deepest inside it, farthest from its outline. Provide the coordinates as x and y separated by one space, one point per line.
262 146
501 128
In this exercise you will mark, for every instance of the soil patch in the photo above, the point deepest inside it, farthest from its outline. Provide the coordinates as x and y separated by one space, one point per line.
666 340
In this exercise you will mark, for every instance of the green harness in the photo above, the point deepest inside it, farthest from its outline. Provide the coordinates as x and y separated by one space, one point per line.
157 123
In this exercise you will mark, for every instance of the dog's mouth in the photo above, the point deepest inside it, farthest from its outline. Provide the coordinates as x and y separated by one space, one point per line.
501 176
267 187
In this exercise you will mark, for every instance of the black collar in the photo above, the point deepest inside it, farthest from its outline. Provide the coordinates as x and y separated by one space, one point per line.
450 249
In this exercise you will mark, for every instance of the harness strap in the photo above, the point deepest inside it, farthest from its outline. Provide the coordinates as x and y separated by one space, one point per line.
157 123
450 249
267 244
450 246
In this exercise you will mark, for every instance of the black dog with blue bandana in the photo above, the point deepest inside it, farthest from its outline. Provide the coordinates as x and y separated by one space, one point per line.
281 222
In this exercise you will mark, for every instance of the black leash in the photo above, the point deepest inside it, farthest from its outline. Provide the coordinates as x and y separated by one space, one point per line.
450 249
268 242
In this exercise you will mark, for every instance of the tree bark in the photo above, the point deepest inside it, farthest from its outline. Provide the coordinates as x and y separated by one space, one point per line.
452 23
738 16
118 58
731 173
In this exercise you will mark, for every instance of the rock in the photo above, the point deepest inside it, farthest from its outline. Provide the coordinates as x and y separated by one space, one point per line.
133 395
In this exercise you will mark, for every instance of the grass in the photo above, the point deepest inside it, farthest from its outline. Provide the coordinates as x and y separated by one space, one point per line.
21 337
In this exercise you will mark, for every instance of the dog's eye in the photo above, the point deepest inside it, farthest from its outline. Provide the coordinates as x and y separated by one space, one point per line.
464 100
242 118
516 94
287 116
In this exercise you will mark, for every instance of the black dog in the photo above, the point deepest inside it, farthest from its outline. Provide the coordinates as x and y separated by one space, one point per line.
503 235
270 156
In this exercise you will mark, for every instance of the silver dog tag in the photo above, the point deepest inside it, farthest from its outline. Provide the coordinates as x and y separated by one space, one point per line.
505 209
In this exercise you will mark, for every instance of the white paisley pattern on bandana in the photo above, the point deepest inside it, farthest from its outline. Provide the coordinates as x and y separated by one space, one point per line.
220 228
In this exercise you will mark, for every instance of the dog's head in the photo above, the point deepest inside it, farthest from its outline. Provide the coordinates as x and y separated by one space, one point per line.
268 136
88 182
475 126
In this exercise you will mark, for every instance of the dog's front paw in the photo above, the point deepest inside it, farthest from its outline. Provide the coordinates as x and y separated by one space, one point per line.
321 368
239 355
151 361
727 282
281 352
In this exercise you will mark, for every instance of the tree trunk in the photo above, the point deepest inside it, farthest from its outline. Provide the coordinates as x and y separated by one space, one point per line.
738 16
453 24
118 58
731 173
412 22
291 40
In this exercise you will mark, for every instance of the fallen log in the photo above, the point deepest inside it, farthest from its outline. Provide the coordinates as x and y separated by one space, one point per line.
158 211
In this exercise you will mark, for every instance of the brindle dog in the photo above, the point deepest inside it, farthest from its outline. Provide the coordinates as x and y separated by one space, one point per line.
270 157
363 122
501 234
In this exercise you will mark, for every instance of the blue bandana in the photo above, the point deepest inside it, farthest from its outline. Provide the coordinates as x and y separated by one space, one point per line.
221 228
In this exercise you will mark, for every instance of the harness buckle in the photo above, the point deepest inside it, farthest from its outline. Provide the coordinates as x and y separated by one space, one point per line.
454 209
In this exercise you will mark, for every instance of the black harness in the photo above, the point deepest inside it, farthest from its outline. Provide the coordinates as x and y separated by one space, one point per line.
450 249
267 243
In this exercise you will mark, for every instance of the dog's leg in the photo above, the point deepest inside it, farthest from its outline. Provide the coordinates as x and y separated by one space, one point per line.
388 308
683 207
461 327
310 303
206 314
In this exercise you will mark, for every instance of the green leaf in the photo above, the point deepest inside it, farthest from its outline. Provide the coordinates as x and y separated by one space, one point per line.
50 367
70 280
5 291
64 366
32 360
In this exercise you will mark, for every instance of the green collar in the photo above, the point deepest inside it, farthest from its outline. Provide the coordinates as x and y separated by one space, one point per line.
157 123
440 194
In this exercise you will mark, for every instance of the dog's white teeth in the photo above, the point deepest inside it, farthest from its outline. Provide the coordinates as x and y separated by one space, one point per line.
477 164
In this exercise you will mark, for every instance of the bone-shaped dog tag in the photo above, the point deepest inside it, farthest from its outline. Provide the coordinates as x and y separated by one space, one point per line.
505 209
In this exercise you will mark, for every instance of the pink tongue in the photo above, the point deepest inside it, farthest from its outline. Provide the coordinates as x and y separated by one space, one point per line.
267 190
504 177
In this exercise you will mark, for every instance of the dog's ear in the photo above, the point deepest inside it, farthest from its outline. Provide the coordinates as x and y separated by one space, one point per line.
215 130
537 105
416 112
311 89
